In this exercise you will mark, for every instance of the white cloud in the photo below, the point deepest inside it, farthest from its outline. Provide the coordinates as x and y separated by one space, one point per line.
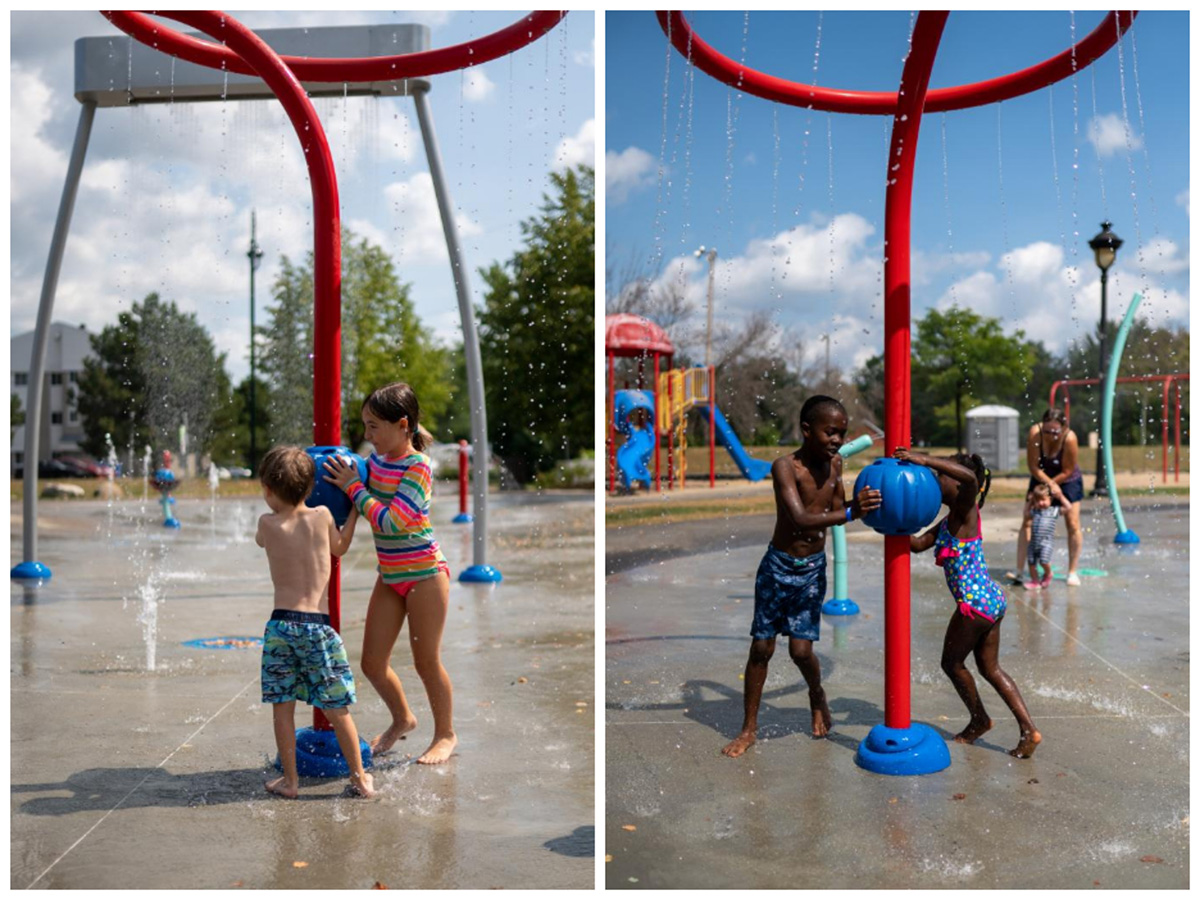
1184 199
1108 134
477 87
34 162
586 57
417 227
626 172
577 150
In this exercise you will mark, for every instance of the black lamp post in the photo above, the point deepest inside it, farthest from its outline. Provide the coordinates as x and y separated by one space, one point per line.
1105 246
255 255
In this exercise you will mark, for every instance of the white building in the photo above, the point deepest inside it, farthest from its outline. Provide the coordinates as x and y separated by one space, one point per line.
62 427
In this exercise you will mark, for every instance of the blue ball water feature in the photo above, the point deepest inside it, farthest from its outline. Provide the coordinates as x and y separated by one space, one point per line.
911 496
330 495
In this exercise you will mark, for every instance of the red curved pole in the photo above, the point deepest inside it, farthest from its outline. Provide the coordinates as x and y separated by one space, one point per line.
327 240
795 93
897 423
379 68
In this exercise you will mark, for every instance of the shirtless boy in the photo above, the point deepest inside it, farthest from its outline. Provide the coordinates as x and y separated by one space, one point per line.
303 656
790 585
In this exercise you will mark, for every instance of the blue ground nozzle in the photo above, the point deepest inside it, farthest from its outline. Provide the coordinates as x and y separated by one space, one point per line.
31 570
481 574
319 756
916 750
840 606
1128 536
463 518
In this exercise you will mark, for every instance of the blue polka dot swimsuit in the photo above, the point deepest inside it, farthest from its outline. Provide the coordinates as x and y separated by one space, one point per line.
967 575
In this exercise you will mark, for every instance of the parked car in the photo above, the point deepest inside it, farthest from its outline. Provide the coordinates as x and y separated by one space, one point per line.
61 468
92 468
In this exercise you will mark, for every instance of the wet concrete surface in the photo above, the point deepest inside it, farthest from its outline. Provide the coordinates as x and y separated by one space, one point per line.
127 776
1104 670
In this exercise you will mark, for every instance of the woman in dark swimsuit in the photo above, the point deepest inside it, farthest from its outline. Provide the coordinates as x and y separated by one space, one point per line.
1052 454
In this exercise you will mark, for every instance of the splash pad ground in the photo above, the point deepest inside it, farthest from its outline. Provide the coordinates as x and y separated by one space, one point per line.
122 777
1103 668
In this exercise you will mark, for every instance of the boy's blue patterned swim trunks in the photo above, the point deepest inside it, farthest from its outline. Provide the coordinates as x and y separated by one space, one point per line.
788 593
305 659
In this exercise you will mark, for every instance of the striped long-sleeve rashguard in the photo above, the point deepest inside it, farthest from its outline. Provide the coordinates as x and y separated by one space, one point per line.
395 501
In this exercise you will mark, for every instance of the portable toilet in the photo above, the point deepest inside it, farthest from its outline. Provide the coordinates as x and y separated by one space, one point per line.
994 433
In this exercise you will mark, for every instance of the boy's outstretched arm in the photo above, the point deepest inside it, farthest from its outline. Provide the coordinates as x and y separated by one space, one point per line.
339 541
785 488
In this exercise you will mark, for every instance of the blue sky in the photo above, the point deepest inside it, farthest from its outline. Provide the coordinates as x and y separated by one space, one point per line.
993 228
167 191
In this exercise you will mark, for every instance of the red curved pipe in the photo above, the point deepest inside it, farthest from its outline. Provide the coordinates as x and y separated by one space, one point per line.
794 93
897 423
379 68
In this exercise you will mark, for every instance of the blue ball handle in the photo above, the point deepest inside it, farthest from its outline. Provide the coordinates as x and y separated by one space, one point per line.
330 495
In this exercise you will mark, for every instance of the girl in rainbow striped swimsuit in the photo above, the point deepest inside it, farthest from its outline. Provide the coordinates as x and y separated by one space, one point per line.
975 625
414 580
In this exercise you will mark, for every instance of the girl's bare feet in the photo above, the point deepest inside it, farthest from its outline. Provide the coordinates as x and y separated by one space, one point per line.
739 745
282 788
439 751
822 722
974 730
1027 745
395 732
363 786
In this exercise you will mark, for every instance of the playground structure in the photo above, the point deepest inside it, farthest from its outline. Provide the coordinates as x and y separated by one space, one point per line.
234 67
1177 381
898 746
645 417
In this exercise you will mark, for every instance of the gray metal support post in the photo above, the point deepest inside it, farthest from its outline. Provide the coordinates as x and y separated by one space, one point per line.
31 568
480 571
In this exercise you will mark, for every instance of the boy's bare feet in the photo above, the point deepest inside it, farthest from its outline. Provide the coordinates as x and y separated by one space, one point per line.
822 722
974 730
1027 745
395 732
439 751
282 788
362 787
739 745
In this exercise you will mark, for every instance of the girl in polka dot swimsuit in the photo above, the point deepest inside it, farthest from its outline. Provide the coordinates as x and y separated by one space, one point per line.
975 625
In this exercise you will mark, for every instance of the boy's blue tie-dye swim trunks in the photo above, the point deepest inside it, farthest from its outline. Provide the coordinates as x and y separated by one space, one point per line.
305 659
788 593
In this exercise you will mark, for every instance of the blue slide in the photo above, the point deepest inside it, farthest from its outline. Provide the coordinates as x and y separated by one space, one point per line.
751 468
634 454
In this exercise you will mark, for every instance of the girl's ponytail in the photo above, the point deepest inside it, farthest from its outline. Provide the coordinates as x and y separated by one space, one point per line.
983 475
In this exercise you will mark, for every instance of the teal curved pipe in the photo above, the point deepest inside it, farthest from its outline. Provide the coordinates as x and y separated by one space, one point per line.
839 531
1124 535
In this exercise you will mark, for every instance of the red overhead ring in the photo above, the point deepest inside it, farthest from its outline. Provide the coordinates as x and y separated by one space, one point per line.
378 68
794 93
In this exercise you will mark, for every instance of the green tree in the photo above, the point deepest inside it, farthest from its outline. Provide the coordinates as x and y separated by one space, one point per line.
153 371
382 341
961 359
16 416
537 330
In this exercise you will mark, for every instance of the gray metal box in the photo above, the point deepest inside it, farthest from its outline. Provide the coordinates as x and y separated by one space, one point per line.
105 73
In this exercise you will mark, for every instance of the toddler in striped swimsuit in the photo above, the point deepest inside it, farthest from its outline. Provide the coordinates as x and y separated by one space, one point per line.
1041 541
414 580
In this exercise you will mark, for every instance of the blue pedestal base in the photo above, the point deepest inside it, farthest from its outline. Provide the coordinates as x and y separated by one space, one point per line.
319 756
171 523
842 606
481 574
1129 536
916 750
462 518
31 570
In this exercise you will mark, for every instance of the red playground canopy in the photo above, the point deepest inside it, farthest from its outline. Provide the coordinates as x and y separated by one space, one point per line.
629 335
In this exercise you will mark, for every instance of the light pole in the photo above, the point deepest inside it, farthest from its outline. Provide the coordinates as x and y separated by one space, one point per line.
711 253
1105 246
255 255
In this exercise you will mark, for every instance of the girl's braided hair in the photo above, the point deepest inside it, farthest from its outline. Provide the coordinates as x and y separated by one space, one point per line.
983 475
